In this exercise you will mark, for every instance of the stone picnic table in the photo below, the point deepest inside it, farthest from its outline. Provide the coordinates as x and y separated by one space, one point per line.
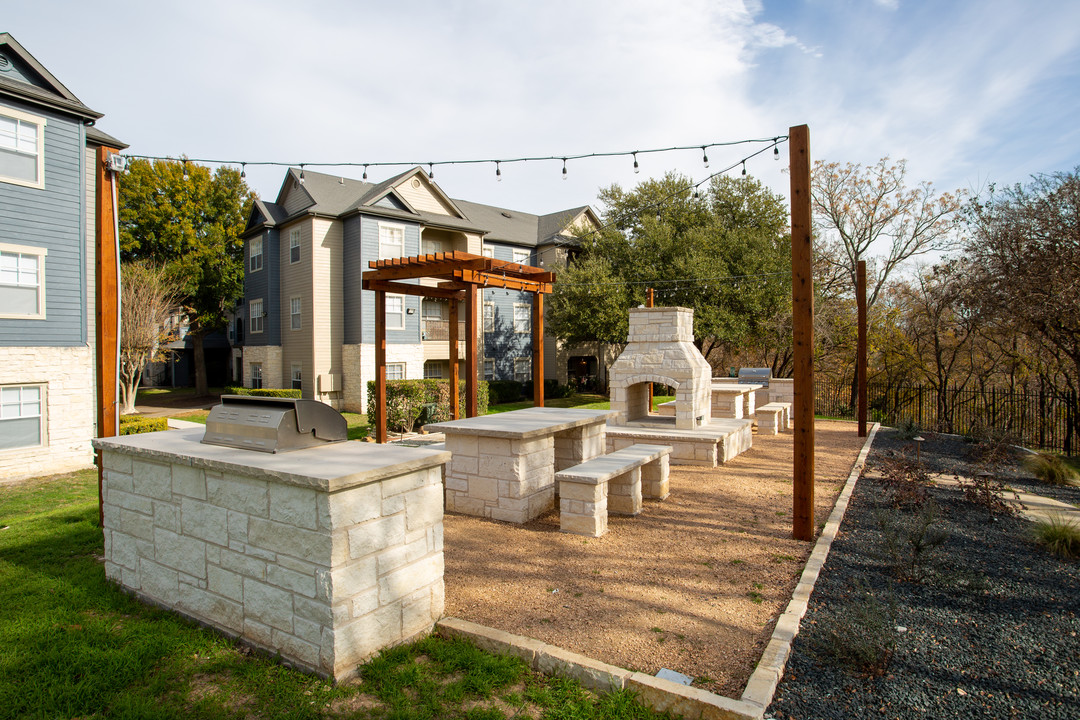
503 465
733 399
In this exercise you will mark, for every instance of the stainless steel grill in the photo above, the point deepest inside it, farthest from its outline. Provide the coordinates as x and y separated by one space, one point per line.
273 425
759 376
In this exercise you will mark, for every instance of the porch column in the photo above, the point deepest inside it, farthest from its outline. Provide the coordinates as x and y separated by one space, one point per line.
454 399
470 351
380 365
538 349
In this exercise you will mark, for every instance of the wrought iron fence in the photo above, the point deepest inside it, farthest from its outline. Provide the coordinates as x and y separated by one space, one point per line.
1038 419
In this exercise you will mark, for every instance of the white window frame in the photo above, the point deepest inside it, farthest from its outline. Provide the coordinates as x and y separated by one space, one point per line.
255 316
395 371
489 318
19 251
489 369
256 376
432 246
521 257
392 249
255 259
296 373
487 251
522 326
39 150
400 314
520 375
296 306
433 370
6 413
294 244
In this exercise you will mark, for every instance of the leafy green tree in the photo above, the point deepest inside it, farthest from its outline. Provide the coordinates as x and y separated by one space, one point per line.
178 214
725 252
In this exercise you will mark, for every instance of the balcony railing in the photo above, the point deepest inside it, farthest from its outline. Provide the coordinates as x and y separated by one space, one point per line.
440 329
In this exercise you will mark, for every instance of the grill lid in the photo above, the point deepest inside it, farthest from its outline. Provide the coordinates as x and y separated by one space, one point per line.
760 376
273 425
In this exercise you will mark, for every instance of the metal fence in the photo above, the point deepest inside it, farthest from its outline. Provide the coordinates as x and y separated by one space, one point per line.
1038 419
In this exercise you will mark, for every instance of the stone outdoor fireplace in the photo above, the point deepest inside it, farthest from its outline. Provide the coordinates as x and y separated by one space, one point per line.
660 349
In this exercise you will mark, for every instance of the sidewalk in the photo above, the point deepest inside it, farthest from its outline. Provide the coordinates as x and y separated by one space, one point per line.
1033 507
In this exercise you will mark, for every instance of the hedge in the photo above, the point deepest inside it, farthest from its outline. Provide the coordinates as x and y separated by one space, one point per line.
410 401
263 392
504 391
135 425
552 389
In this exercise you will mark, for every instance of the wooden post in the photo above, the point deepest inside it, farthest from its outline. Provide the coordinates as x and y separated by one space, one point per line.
380 365
861 365
107 305
538 349
455 398
802 296
649 303
472 409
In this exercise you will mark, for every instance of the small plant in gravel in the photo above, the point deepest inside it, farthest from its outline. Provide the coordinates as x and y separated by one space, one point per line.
989 493
866 652
908 429
1051 469
1059 536
911 540
905 481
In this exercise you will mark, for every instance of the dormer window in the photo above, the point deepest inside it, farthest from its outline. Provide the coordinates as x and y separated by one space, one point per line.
22 141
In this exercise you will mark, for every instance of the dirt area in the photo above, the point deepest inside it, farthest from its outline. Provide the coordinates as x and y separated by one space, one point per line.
694 583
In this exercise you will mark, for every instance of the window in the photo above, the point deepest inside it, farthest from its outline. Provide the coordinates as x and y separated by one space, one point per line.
489 369
294 313
21 417
294 245
523 369
489 317
22 161
395 371
432 246
255 319
433 370
256 375
255 252
522 318
391 241
297 376
488 251
521 256
22 281
395 312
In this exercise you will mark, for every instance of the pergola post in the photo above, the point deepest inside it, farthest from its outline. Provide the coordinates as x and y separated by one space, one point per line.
455 398
802 291
470 351
861 363
538 349
380 365
107 292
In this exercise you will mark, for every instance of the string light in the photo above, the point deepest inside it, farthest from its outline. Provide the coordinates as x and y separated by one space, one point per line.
243 170
185 171
564 168
365 172
704 156
636 168
776 152
301 173
431 171
744 168
498 171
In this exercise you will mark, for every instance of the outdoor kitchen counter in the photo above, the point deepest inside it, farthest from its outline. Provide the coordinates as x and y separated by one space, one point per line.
503 465
328 468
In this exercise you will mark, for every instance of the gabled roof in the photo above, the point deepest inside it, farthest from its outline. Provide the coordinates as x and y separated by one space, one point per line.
384 188
556 223
47 91
265 214
97 137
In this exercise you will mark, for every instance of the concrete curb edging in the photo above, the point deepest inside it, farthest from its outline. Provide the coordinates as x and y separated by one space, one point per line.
660 695
766 676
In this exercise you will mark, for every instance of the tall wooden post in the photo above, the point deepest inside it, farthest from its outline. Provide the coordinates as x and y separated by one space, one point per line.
538 349
455 398
861 364
107 293
380 365
802 296
472 409
649 303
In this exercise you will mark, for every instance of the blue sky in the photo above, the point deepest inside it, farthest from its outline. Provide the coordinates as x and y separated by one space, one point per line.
970 92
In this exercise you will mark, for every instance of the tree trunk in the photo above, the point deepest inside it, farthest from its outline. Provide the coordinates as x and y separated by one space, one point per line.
201 388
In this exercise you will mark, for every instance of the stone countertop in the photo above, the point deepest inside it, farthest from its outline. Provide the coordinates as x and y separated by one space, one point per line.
741 388
523 424
328 468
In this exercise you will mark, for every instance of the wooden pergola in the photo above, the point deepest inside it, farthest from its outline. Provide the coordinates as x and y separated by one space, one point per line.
460 275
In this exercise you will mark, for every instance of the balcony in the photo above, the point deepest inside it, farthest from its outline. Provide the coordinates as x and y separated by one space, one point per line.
435 329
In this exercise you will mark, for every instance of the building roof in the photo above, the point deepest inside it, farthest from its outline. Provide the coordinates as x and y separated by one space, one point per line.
97 137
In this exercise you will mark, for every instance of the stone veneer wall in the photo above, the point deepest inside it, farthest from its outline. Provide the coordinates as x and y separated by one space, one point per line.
68 376
358 367
325 578
270 357
781 390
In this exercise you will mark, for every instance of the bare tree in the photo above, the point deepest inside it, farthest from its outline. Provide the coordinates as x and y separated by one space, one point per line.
148 296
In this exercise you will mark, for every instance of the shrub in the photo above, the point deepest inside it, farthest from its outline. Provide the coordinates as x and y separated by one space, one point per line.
905 481
134 425
988 492
867 651
552 389
1059 536
1051 469
504 391
410 401
263 392
911 540
908 430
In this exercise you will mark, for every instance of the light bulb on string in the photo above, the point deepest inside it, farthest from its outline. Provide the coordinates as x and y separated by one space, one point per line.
301 173
775 152
564 168
636 168
365 172
243 170
185 171
744 168
704 156
431 171
498 171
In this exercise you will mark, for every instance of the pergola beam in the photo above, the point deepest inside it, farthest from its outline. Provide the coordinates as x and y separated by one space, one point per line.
408 289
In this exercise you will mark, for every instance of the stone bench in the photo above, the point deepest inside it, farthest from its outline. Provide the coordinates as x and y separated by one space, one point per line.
612 483
667 409
773 418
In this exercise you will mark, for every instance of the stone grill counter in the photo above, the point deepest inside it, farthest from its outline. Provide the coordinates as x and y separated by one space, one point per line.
324 555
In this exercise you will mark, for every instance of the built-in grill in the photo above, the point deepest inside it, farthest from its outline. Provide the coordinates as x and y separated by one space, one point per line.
758 376
273 425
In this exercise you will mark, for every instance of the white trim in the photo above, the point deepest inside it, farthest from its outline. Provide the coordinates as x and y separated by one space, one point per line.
400 326
43 425
41 122
261 317
41 253
527 362
252 368
296 310
395 365
484 317
519 252
295 233
488 362
252 255
391 226
528 318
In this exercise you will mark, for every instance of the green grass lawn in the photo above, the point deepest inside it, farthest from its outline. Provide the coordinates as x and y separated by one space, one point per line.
73 644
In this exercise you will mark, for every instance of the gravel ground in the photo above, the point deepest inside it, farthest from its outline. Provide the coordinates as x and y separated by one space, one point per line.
694 583
988 631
